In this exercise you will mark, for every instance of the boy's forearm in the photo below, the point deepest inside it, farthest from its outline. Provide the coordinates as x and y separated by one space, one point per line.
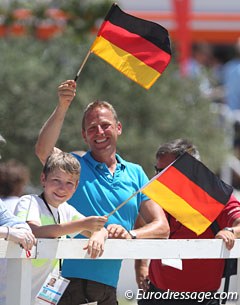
56 230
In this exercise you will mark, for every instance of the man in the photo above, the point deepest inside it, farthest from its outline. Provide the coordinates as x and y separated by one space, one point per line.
197 275
106 181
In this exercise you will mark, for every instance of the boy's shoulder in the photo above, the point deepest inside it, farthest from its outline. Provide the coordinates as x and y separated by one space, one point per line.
69 211
30 197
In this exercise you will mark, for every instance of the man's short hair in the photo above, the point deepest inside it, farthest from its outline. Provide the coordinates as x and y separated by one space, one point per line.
98 104
177 147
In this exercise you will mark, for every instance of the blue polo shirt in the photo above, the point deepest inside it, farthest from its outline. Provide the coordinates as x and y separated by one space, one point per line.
98 193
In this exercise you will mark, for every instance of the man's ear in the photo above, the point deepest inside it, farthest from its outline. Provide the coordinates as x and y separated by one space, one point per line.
84 135
119 128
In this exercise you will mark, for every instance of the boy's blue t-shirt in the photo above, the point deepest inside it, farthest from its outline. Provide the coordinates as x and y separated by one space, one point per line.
99 193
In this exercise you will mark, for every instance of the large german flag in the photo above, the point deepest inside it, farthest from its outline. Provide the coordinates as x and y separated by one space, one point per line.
190 192
138 48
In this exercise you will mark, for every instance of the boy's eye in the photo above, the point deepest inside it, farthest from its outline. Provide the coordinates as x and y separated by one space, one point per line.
70 183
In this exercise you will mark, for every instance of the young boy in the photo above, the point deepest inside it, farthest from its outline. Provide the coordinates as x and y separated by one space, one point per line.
50 216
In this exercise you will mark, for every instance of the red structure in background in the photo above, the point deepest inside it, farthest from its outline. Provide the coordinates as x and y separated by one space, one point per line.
183 34
188 22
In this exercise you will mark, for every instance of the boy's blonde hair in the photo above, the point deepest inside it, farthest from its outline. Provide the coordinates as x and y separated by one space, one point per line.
63 161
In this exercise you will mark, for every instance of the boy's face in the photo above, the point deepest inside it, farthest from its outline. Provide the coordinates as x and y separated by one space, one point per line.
59 186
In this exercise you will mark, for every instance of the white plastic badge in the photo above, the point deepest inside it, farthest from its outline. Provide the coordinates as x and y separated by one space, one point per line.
92 303
52 290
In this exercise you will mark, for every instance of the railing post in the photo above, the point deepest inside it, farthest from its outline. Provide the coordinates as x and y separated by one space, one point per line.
19 281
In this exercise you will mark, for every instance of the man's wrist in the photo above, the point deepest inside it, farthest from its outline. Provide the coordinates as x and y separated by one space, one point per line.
133 234
229 229
7 233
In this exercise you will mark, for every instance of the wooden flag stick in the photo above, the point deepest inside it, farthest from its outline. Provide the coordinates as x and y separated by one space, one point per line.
82 65
123 203
138 191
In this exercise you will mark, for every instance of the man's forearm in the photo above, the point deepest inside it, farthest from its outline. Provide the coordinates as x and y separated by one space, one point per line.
49 133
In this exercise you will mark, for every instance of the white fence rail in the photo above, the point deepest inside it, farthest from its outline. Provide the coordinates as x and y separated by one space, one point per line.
19 267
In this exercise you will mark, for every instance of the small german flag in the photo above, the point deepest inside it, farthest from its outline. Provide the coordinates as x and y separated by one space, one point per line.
190 192
138 48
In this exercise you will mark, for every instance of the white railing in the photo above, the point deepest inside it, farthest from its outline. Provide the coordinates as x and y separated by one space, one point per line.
19 267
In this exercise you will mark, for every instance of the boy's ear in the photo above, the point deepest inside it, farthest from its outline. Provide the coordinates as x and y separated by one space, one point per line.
42 179
76 184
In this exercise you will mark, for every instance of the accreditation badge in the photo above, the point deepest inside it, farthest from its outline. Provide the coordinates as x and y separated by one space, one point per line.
52 290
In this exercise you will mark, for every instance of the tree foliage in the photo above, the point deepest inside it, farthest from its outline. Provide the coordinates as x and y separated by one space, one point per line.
31 71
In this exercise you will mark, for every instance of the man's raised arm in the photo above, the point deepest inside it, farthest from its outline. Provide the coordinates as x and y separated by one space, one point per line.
51 129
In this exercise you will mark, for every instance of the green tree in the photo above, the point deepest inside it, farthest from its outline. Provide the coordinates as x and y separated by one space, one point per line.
173 107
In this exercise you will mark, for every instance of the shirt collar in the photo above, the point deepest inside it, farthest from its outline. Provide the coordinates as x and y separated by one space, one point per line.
95 163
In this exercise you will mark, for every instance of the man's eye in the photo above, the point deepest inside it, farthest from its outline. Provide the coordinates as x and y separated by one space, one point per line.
91 129
105 126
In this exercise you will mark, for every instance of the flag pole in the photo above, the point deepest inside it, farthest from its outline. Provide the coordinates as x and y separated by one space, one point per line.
138 191
123 203
134 194
82 65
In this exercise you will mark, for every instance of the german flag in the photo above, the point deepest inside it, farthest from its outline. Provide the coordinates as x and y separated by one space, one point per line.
138 48
190 192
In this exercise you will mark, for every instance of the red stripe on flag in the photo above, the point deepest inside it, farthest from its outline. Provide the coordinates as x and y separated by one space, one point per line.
191 193
134 44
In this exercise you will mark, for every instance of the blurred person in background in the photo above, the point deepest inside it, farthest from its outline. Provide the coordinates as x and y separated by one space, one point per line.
198 66
200 276
14 177
231 80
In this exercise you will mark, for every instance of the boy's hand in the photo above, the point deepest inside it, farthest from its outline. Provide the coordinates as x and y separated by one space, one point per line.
95 246
95 223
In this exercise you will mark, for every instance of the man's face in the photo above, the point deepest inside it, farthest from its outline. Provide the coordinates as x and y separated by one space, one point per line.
101 131
164 161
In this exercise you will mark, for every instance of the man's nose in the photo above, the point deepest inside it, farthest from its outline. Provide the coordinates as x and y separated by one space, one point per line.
100 129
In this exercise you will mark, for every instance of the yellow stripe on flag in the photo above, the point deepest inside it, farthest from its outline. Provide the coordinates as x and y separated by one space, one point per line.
125 62
177 207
